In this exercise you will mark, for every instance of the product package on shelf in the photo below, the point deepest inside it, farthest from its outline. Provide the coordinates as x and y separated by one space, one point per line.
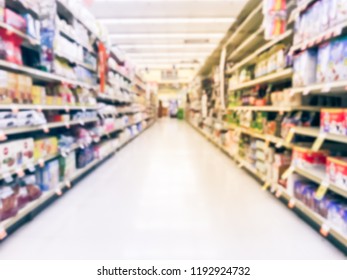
275 18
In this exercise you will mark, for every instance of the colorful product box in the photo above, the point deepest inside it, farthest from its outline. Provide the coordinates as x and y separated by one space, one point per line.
67 166
323 63
38 95
337 70
306 158
305 68
333 121
338 11
45 147
48 177
336 169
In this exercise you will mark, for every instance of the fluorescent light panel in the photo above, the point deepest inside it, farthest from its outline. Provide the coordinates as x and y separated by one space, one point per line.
142 21
170 54
168 46
167 35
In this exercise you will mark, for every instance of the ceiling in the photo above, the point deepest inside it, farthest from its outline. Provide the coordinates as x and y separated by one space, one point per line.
155 33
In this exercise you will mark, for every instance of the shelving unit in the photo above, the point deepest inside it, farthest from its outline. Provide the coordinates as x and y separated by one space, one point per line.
82 97
23 213
254 149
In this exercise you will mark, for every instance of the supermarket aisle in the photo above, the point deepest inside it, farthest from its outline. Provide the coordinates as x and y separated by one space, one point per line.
169 194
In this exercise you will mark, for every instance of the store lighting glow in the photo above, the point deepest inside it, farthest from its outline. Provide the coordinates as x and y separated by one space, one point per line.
166 35
169 46
142 21
169 54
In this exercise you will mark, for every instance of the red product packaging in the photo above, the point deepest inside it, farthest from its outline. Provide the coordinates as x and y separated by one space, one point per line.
8 201
15 20
11 45
333 121
336 169
305 157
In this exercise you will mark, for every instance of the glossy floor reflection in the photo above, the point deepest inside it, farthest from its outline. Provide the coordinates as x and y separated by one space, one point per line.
169 194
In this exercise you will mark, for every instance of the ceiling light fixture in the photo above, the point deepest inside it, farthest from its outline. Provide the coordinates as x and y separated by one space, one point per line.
166 35
142 21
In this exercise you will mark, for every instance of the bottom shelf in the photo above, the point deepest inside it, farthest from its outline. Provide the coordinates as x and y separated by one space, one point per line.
46 196
280 192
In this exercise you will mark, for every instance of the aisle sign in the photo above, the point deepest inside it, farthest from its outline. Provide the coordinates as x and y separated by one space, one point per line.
322 190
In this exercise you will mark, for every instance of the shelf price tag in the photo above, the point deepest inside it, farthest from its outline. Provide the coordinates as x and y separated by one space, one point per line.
45 128
337 31
326 89
41 162
14 109
322 189
278 193
68 184
67 109
279 144
319 142
39 108
7 177
20 172
265 186
59 192
324 230
81 122
82 146
288 172
67 124
291 203
240 165
3 233
3 136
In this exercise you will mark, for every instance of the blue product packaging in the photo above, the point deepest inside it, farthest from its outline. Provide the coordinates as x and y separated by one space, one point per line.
338 58
323 63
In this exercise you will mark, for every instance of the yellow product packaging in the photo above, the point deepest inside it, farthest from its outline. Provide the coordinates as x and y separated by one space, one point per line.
38 149
38 95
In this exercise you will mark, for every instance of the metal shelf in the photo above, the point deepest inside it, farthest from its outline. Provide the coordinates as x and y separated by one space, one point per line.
41 75
315 132
319 220
46 107
327 35
336 87
20 130
280 75
318 176
19 33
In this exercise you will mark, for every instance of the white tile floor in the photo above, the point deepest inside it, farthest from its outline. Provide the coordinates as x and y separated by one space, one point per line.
168 195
